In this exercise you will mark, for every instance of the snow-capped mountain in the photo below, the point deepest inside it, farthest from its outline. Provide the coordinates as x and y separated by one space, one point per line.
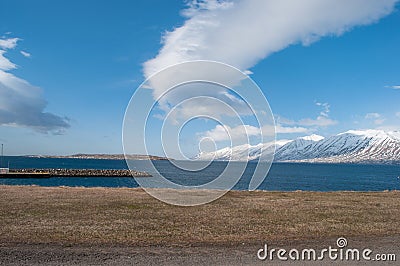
366 146
296 149
369 146
244 152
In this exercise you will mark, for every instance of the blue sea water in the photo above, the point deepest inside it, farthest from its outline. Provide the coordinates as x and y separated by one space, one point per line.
282 176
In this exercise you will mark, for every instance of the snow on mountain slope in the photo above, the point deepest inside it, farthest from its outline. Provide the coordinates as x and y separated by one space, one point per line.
312 137
244 152
359 146
351 146
297 148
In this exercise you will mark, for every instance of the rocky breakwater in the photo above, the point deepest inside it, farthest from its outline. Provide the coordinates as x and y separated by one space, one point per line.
83 172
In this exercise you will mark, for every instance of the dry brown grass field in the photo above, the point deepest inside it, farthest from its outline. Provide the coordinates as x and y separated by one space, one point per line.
106 217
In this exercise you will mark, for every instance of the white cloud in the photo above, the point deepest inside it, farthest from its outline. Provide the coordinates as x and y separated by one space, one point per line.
377 118
326 109
5 64
9 43
279 129
242 132
322 120
238 133
395 87
26 54
22 104
372 116
190 100
248 72
243 32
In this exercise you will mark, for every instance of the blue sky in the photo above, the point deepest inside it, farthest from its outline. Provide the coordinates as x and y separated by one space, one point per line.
88 57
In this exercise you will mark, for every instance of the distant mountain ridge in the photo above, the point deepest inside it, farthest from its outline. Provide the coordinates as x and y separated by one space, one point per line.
354 146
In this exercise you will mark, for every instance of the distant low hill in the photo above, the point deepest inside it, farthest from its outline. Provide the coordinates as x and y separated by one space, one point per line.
102 156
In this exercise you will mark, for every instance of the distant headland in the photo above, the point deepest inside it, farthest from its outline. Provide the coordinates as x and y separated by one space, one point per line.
102 156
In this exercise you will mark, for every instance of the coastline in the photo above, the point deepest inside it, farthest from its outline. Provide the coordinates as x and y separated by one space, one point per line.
101 156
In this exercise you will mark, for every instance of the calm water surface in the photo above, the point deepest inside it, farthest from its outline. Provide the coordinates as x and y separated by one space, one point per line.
282 176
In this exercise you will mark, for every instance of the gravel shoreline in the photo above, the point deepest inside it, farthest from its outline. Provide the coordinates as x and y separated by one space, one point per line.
80 172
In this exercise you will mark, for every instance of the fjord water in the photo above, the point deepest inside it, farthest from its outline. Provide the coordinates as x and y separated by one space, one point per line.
282 176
